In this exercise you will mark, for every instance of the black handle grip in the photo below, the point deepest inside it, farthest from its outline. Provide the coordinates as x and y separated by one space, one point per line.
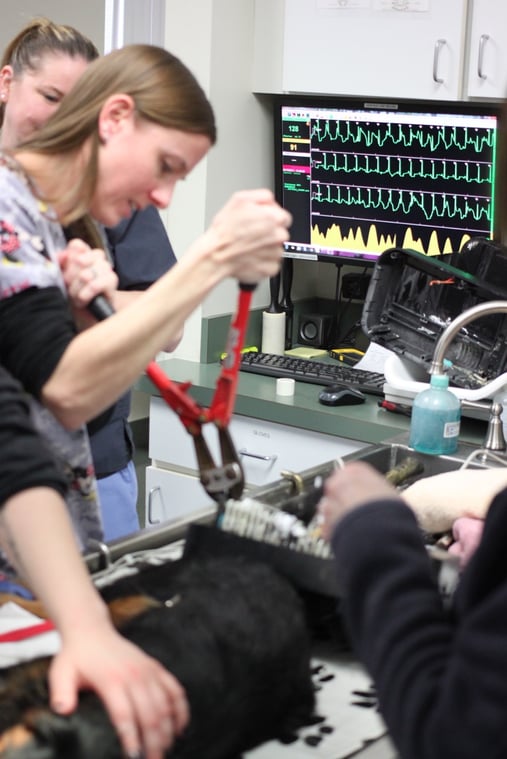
100 307
248 287
286 301
287 276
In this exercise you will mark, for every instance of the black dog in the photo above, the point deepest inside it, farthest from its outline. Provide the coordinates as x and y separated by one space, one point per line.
235 636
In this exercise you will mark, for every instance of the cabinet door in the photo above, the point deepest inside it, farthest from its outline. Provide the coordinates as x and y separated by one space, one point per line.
171 495
386 48
487 55
170 443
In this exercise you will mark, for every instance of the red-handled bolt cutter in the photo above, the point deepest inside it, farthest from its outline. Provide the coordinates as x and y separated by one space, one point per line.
220 480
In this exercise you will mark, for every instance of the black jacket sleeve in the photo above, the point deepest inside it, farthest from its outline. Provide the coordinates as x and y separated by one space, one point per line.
24 462
441 676
37 327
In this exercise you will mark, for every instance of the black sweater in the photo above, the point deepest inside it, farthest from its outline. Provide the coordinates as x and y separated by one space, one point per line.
441 675
24 462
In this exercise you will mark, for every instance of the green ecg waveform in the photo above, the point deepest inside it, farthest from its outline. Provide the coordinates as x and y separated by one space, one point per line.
436 138
402 167
431 205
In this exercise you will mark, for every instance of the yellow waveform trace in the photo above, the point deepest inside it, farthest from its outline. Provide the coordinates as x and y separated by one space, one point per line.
354 240
435 248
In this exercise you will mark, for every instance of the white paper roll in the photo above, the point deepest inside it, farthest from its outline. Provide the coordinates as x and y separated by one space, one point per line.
273 332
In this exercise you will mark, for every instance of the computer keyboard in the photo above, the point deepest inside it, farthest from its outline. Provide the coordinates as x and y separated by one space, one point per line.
308 370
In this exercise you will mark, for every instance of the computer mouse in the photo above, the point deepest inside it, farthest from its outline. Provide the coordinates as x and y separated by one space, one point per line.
338 395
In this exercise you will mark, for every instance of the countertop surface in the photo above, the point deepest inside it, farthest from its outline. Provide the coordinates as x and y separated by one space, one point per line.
256 397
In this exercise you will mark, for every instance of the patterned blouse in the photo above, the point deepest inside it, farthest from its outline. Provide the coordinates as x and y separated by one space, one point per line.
36 328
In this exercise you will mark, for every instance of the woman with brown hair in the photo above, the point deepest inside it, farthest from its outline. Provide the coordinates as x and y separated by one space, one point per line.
39 67
137 123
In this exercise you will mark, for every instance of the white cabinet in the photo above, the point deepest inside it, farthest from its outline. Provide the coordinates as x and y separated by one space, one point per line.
266 449
402 48
487 58
171 495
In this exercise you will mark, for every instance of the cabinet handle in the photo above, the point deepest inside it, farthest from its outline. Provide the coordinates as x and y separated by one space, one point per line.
244 452
436 59
150 494
480 59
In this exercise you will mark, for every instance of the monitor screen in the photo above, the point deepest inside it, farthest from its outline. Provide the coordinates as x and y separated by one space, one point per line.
361 177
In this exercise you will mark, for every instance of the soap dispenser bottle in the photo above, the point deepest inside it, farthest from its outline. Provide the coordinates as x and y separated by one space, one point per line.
435 421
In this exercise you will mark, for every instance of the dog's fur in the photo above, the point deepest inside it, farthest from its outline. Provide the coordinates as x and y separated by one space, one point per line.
236 638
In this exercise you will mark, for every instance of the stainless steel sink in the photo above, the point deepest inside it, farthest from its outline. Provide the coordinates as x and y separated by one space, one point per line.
388 456
384 457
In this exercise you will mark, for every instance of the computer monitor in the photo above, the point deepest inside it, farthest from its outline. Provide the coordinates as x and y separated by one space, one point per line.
362 176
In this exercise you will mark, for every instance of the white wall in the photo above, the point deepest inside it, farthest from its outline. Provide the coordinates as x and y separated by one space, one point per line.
214 39
88 17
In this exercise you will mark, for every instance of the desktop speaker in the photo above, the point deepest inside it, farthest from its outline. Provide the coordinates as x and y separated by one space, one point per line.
315 329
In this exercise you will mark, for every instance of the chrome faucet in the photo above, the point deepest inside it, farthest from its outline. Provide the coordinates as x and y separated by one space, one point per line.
494 437
495 440
452 329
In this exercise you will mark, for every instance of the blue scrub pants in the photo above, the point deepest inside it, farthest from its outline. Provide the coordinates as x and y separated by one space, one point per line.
118 503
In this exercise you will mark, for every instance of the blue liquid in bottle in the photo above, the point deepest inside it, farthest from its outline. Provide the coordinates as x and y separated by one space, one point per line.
435 422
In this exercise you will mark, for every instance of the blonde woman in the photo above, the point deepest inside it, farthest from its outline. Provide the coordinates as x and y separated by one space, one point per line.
40 66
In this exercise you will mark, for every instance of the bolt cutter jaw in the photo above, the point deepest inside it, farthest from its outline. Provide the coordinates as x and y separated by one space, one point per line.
220 481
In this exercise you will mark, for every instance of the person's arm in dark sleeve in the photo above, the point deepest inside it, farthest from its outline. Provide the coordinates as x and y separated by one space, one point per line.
441 680
24 461
37 327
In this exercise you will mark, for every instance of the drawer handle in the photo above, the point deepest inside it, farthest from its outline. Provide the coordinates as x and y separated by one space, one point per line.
436 59
244 452
150 495
480 61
